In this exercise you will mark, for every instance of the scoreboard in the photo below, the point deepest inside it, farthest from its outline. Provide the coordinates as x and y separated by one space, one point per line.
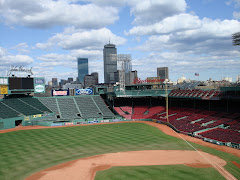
21 85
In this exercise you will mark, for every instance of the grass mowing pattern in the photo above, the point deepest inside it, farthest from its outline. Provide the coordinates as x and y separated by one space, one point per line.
179 172
29 151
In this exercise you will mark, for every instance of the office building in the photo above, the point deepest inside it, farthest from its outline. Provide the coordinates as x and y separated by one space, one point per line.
238 78
162 72
54 82
62 82
133 76
70 80
82 69
89 80
72 86
95 74
109 66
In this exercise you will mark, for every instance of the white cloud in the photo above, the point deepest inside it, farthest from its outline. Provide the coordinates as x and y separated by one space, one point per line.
175 23
236 4
91 54
76 39
210 36
236 15
8 59
22 47
152 11
106 2
48 13
188 25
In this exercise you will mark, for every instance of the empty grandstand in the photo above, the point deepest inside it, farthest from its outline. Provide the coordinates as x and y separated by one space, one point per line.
31 110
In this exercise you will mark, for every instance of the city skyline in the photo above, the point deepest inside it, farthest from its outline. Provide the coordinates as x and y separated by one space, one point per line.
186 36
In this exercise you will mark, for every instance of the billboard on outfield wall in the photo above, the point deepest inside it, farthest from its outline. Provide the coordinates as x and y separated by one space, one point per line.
60 92
3 85
39 85
87 91
3 89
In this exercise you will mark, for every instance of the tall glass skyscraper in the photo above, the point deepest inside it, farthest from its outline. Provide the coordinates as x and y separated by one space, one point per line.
109 66
82 68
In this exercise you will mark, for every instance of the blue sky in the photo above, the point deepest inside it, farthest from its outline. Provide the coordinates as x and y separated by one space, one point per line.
188 36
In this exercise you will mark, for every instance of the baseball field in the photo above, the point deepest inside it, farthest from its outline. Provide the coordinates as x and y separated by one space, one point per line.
26 152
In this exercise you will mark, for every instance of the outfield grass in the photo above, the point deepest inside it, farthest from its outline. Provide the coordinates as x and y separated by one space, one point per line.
179 172
29 151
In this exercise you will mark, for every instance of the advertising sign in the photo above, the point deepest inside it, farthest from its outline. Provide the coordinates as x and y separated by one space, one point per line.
92 122
4 89
56 124
39 81
105 121
87 91
26 118
3 80
39 85
116 120
39 88
37 115
68 124
60 92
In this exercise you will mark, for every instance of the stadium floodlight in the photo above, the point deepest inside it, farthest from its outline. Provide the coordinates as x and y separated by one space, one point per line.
124 62
236 39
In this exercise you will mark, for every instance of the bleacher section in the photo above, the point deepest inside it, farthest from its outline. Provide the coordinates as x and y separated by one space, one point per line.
139 112
8 112
127 111
106 112
223 135
34 102
194 93
66 108
51 103
88 108
21 106
206 123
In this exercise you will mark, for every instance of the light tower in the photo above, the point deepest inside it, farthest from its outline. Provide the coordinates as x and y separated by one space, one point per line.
236 39
123 65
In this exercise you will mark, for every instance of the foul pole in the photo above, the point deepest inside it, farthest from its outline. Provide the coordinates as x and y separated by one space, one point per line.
166 97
